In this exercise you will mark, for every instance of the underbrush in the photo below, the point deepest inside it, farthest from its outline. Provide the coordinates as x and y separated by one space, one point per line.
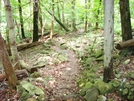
91 84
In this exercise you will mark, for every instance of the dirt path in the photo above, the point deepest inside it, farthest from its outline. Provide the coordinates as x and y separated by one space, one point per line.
59 79
63 86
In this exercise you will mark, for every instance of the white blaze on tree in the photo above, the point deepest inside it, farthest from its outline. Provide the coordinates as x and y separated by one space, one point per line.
108 39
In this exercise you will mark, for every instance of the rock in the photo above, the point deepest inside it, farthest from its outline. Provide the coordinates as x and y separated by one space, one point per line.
101 98
92 94
131 75
32 89
103 87
31 99
126 62
125 91
115 83
87 86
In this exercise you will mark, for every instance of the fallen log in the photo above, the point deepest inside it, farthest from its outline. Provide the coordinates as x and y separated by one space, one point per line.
19 73
125 44
30 68
28 45
27 66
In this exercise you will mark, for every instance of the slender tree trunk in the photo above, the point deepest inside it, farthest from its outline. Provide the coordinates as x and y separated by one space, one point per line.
85 30
41 21
58 11
0 14
12 36
125 20
52 22
63 16
97 15
35 21
108 39
64 27
8 68
21 20
73 16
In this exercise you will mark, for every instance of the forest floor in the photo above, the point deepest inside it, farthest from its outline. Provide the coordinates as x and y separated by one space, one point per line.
61 68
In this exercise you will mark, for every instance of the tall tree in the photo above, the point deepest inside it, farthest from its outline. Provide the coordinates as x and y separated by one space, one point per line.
125 20
21 20
63 16
0 14
12 36
8 68
41 20
52 22
35 21
86 25
97 14
73 16
58 10
108 39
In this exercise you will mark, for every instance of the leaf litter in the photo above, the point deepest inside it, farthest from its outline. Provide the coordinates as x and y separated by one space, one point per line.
61 70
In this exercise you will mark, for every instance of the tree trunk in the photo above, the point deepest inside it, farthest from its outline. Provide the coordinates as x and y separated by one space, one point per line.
97 15
35 21
108 39
125 20
52 22
125 44
12 36
86 25
21 20
8 68
63 17
73 16
58 10
66 29
0 14
19 73
41 21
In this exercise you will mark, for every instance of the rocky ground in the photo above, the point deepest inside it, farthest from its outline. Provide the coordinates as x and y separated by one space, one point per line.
60 59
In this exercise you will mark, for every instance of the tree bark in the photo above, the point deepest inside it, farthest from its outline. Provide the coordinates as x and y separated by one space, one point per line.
19 73
97 15
12 36
63 16
0 14
125 44
35 21
108 39
125 20
73 16
86 25
8 68
66 29
21 20
52 22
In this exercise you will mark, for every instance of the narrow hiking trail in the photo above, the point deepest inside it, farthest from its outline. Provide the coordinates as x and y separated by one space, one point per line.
58 77
60 69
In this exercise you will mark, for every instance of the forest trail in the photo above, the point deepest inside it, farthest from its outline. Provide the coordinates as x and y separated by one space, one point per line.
60 74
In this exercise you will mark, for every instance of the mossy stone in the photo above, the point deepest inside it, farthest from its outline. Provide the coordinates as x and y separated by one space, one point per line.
92 94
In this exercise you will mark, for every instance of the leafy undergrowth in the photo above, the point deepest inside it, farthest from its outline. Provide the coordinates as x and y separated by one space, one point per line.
91 82
72 70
